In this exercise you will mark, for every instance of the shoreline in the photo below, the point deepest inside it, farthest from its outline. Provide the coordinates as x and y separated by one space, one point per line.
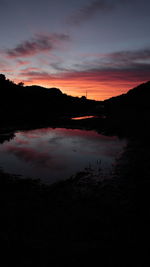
78 215
92 216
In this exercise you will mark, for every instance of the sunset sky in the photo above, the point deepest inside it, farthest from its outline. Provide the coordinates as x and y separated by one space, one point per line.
98 46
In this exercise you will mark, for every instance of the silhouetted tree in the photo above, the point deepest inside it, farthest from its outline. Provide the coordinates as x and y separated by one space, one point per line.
2 77
21 84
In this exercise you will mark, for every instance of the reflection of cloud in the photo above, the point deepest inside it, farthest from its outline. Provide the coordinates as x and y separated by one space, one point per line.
55 135
38 44
55 140
39 159
29 134
35 134
21 141
89 10
29 154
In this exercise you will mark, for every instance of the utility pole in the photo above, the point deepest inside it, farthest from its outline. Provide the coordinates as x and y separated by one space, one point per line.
86 94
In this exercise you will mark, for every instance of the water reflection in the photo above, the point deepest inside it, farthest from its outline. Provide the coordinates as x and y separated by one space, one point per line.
83 118
88 117
55 154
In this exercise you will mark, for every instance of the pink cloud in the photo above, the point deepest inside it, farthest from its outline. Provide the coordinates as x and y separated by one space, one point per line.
91 75
40 43
23 62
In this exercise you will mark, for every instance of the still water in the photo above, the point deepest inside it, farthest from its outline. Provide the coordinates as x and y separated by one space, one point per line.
57 154
83 117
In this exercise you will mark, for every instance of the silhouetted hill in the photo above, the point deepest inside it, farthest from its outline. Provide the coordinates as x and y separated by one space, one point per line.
35 103
38 105
137 97
129 112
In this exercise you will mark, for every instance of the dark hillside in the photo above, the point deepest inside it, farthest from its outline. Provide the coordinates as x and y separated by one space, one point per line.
129 112
135 98
37 104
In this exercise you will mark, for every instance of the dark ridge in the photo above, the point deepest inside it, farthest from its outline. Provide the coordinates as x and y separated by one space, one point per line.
35 105
136 96
21 103
130 112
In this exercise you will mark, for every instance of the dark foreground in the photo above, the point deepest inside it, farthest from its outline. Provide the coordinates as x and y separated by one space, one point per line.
79 222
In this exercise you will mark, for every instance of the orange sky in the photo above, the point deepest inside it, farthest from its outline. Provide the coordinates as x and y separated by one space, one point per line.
98 46
94 89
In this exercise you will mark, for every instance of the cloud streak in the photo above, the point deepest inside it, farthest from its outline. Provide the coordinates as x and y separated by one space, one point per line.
122 69
22 62
121 60
78 81
114 65
89 11
39 44
128 57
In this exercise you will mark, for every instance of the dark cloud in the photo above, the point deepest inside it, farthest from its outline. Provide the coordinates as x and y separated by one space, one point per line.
119 66
118 60
58 66
88 11
40 43
141 73
42 75
107 75
130 56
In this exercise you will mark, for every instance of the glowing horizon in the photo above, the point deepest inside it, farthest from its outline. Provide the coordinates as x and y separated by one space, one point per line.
95 91
77 46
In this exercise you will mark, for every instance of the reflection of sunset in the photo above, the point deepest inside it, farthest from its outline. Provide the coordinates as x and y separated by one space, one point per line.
81 118
58 153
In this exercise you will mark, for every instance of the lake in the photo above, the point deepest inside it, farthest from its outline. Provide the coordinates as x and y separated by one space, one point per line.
57 154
